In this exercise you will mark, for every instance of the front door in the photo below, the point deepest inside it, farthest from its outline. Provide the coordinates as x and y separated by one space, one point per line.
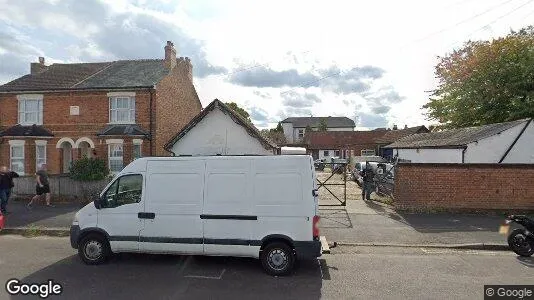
119 214
173 207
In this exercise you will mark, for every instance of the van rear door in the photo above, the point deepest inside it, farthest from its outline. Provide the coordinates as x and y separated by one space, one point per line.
174 204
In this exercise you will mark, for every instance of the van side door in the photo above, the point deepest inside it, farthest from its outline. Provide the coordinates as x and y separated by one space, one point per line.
174 195
118 215
228 208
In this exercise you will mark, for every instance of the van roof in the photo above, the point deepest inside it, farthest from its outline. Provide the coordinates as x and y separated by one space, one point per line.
139 165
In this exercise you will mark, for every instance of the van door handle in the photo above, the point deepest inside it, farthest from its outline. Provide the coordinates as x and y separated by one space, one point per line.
146 215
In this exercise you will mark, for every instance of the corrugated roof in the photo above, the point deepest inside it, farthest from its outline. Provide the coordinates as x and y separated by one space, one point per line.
117 74
238 119
394 135
455 137
331 122
22 131
341 139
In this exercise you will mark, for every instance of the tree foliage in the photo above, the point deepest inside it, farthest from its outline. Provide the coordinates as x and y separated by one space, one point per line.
242 112
485 82
322 125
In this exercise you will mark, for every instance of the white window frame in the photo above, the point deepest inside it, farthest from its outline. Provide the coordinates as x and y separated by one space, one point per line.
137 143
114 112
326 153
338 153
43 159
300 133
365 152
111 143
12 144
22 113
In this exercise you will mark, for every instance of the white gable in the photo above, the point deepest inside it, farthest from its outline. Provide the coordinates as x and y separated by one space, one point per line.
216 134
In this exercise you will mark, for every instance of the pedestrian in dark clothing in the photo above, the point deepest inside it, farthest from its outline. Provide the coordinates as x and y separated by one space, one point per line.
368 183
4 189
11 175
42 187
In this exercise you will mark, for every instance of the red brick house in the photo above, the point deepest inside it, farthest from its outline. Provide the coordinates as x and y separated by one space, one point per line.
116 110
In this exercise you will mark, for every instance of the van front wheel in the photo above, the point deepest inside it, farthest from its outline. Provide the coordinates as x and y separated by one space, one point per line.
93 249
277 259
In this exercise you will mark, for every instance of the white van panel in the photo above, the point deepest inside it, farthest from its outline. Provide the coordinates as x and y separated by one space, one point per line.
175 194
227 212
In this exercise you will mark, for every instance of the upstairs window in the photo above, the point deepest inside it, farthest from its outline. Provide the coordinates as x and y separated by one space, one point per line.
30 109
122 110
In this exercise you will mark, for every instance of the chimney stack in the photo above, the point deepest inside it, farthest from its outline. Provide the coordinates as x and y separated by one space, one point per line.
36 68
405 126
395 127
170 56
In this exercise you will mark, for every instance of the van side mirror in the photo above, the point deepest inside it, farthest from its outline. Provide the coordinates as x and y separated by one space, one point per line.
98 202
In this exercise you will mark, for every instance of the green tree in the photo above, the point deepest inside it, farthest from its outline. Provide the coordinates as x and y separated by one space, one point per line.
485 82
279 128
239 110
322 125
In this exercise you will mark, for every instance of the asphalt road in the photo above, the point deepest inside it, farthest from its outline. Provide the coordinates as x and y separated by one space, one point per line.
347 273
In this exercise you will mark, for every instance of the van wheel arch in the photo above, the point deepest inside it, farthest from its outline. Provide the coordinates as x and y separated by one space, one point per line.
97 231
276 238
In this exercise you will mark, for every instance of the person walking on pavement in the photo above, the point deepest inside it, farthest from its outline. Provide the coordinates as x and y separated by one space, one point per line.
4 189
42 187
11 175
367 176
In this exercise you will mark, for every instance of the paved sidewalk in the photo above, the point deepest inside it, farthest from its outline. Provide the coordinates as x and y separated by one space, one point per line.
373 223
40 216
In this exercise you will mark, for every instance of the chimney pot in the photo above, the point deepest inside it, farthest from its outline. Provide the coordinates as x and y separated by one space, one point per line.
395 127
405 126
41 60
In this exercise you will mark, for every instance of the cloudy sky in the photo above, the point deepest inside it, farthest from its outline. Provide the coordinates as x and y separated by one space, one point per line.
371 61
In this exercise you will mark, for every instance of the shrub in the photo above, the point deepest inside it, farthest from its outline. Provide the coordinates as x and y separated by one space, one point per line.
89 169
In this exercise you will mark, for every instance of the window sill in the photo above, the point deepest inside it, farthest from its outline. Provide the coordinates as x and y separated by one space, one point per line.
31 124
121 123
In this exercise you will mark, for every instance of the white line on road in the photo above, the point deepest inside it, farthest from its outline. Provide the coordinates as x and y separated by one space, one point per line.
207 277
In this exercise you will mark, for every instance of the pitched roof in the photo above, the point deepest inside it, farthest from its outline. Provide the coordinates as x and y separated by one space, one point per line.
116 74
394 135
238 119
454 138
22 131
127 129
331 122
340 139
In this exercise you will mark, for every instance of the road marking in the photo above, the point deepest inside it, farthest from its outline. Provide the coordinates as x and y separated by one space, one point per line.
207 277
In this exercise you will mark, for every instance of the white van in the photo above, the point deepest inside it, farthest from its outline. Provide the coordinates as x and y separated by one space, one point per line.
252 206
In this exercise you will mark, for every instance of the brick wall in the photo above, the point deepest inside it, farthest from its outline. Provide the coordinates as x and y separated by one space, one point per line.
464 186
176 104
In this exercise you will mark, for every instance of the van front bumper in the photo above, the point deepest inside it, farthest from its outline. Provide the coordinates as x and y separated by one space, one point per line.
308 250
74 235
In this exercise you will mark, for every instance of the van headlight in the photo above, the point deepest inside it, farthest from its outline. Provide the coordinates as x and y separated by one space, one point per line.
75 221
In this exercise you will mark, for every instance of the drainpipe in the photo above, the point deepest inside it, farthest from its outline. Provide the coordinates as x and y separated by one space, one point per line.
463 154
150 122
515 141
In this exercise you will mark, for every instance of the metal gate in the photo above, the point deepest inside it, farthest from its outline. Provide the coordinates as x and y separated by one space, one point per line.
328 184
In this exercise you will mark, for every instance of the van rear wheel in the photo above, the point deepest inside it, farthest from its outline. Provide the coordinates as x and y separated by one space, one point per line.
94 249
277 259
